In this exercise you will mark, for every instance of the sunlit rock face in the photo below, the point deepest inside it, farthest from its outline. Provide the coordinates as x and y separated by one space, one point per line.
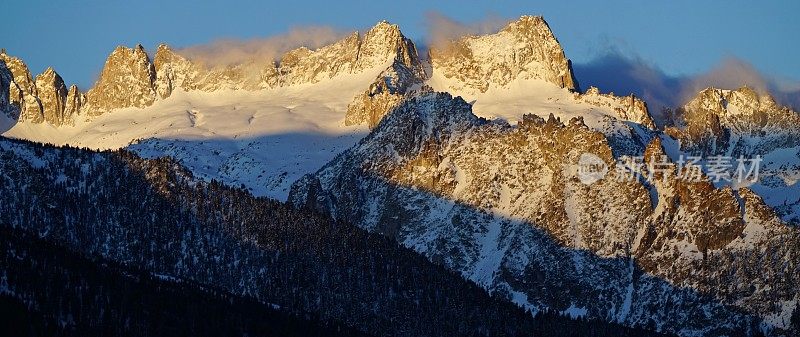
628 108
747 124
21 88
502 205
741 121
53 96
126 81
525 49
391 87
380 46
74 101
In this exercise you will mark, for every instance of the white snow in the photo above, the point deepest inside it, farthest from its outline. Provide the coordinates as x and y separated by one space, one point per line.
491 254
575 312
626 305
263 139
781 319
524 96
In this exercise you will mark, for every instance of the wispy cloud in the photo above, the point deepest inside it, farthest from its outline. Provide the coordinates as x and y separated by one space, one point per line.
441 29
622 72
227 52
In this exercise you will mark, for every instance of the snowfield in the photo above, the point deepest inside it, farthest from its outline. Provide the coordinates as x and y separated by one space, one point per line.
264 140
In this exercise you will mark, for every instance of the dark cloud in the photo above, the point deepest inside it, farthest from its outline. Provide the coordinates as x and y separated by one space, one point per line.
624 74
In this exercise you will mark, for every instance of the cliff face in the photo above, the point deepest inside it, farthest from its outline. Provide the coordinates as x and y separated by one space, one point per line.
74 102
628 108
22 93
393 85
127 80
718 121
173 71
525 49
382 45
53 95
43 99
500 204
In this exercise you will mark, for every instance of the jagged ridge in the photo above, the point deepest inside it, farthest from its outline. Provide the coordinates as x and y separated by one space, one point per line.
477 197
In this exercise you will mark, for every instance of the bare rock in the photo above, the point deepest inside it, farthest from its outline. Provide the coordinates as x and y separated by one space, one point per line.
53 95
127 81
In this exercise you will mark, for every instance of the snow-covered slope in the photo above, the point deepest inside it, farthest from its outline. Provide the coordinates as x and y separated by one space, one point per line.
262 139
743 122
522 70
483 184
524 49
503 206
624 120
259 128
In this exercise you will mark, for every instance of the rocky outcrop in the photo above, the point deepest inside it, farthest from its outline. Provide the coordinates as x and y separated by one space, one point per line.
386 93
385 42
525 49
393 85
40 100
53 96
74 102
628 108
715 120
127 80
22 90
173 71
506 207
310 66
382 45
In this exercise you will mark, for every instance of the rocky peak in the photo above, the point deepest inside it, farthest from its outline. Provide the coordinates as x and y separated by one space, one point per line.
712 120
303 65
130 79
629 108
53 95
734 105
385 42
21 89
391 87
165 55
127 80
75 100
427 115
525 49
381 44
173 71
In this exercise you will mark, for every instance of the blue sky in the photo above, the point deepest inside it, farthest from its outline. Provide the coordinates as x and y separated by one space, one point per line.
677 37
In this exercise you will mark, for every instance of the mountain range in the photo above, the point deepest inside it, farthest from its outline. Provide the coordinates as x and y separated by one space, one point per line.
333 178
